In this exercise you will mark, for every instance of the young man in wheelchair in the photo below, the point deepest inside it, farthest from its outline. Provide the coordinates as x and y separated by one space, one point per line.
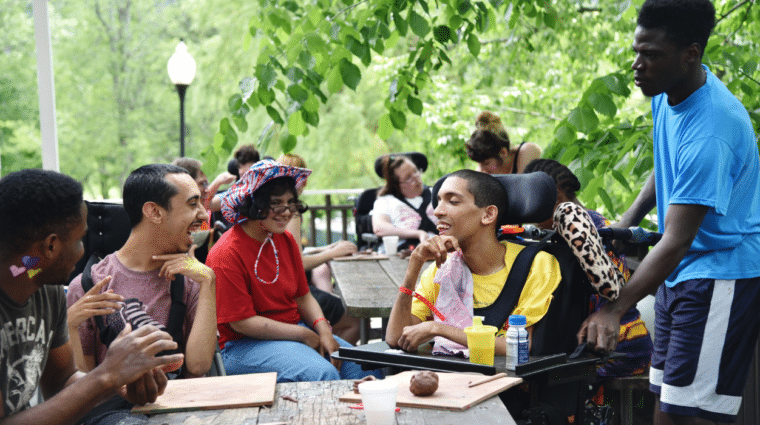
471 268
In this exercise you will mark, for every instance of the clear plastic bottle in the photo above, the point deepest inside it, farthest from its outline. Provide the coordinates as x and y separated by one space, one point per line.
517 341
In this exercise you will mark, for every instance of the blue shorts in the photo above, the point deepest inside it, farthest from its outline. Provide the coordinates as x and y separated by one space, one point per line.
705 338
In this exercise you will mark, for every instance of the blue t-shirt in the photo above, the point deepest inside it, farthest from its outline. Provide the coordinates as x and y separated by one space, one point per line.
705 154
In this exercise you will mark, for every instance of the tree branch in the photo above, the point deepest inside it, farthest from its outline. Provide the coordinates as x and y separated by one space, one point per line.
733 9
347 8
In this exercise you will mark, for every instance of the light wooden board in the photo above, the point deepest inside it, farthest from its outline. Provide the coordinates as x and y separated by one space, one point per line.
452 393
218 392
362 257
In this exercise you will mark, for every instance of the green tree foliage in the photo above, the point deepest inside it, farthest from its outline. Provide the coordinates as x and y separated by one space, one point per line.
558 73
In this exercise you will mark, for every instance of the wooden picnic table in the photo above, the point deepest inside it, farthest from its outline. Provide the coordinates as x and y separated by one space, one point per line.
317 403
368 287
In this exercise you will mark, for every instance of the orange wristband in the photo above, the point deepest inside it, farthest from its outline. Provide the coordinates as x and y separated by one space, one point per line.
314 325
424 300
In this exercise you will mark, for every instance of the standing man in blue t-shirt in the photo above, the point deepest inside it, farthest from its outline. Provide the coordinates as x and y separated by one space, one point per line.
706 186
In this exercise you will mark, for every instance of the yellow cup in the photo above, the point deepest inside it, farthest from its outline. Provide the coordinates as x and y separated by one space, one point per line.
481 341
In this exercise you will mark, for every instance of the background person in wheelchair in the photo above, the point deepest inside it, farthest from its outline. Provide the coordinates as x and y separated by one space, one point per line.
471 269
403 207
635 341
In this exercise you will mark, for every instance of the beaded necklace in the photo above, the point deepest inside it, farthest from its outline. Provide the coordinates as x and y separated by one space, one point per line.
276 261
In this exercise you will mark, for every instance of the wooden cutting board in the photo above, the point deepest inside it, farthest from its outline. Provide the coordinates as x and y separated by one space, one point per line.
218 392
452 393
362 257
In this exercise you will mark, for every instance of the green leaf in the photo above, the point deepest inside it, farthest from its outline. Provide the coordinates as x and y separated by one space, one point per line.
617 175
455 22
240 123
401 24
473 44
565 135
334 80
315 43
235 102
355 46
306 60
218 143
570 154
616 84
414 105
288 143
419 25
442 34
311 118
350 74
749 67
603 104
550 18
311 104
385 127
747 89
296 124
584 119
265 96
267 75
398 119
274 115
607 200
298 94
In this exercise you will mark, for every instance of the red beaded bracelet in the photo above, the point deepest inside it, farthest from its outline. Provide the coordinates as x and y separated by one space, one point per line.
424 300
314 325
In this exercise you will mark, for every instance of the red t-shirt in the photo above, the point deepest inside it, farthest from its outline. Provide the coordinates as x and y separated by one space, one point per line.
240 295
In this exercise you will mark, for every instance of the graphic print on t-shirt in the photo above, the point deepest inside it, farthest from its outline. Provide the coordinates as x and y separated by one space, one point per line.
23 345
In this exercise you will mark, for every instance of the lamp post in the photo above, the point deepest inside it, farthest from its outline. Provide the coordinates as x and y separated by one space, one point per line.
181 68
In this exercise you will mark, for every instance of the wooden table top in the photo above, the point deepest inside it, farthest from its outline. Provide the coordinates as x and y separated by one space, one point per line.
317 403
369 287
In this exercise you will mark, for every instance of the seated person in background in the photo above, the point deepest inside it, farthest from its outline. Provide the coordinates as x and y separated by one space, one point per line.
244 157
268 320
471 268
489 146
42 222
403 206
318 273
204 238
635 340
164 208
193 166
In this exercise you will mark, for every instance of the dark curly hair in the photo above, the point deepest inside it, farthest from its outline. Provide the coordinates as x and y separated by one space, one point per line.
246 154
684 21
257 206
565 180
34 204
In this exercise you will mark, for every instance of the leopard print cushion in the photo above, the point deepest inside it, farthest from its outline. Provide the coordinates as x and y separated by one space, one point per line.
575 226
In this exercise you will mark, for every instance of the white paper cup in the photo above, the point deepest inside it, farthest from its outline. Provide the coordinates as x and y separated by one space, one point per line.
379 400
390 243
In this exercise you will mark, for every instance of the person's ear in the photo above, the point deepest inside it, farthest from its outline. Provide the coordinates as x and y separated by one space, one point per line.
503 153
50 247
153 212
490 214
693 54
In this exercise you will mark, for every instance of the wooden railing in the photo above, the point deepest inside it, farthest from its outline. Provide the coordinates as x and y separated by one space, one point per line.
345 209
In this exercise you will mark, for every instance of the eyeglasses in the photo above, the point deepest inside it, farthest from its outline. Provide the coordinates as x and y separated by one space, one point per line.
295 207
412 179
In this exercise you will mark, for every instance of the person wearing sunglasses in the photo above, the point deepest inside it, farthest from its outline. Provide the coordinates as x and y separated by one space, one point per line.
268 321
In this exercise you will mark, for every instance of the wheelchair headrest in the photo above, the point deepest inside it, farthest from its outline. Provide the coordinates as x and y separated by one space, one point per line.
530 197
419 159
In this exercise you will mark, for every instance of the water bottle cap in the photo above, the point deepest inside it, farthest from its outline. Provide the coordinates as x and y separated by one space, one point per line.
517 320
